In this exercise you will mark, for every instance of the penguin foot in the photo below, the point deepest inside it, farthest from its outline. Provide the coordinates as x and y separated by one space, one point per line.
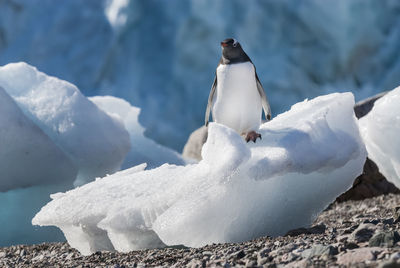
252 136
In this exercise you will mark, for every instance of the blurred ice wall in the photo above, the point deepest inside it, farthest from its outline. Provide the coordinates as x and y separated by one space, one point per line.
161 54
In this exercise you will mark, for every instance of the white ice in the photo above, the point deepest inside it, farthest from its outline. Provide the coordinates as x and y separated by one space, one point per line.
28 156
380 129
239 191
51 136
143 150
94 142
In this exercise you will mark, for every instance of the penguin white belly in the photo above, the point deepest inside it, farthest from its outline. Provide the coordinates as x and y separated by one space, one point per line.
237 103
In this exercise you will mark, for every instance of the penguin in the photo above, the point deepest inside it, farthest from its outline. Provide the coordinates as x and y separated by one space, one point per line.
237 97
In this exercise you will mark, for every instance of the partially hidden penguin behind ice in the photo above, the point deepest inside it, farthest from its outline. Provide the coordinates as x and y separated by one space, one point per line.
237 97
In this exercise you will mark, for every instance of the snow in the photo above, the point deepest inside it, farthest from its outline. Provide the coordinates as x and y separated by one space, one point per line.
161 55
143 150
380 130
84 133
239 191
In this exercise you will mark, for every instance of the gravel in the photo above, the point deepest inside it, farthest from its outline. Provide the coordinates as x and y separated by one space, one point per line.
349 234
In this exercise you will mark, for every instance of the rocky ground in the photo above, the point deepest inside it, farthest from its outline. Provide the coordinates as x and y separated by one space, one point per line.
348 234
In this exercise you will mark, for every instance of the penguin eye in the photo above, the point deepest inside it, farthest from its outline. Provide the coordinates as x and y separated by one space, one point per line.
235 43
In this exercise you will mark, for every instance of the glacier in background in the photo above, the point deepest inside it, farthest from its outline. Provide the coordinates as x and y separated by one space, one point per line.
161 55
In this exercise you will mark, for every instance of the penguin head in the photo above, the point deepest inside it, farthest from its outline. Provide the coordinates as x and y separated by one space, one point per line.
232 50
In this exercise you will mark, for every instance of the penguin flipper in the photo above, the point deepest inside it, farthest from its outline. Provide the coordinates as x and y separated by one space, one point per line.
264 100
210 101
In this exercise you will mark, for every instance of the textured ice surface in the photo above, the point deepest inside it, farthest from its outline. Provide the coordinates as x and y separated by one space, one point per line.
307 157
95 142
161 55
28 156
51 137
380 129
143 150
49 132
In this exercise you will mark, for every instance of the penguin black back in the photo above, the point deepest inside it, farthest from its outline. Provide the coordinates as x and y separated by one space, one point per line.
232 52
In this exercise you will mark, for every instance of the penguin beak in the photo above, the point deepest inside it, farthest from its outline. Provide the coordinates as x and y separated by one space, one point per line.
224 44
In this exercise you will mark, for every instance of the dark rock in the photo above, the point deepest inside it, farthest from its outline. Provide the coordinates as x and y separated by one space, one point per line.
363 107
363 233
396 214
317 229
240 254
369 184
349 230
351 245
384 239
375 221
388 221
263 253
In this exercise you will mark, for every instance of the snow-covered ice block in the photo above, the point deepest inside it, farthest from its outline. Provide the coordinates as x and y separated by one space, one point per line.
143 150
380 129
239 191
95 142
27 155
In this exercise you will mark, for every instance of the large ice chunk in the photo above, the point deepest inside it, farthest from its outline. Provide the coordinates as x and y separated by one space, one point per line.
28 156
380 130
306 158
95 142
143 150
